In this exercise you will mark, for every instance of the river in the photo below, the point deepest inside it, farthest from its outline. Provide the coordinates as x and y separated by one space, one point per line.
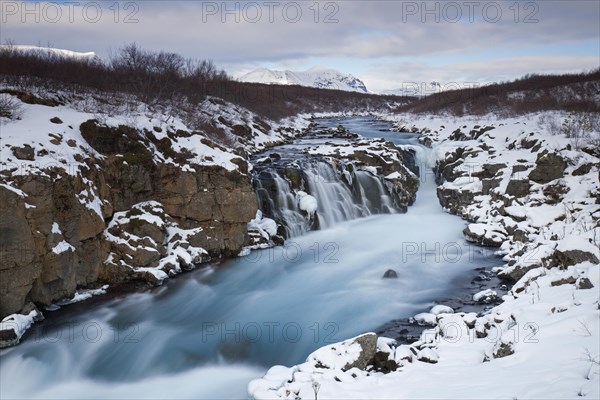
208 333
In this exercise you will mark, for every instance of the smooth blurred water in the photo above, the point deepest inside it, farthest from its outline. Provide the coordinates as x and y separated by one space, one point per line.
208 333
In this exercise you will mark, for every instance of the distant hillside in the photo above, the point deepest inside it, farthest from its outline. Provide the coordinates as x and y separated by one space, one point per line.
168 83
322 78
49 51
569 92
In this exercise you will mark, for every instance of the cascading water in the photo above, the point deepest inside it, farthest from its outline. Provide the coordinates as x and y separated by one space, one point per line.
341 196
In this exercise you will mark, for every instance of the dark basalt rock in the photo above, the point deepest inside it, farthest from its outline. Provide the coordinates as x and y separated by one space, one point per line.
368 344
504 350
584 283
573 257
584 169
489 184
24 153
489 171
518 188
390 274
382 363
549 167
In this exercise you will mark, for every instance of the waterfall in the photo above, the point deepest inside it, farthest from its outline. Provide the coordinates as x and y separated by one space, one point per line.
343 193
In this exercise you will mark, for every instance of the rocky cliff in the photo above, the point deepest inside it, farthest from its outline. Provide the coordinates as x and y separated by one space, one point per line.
85 203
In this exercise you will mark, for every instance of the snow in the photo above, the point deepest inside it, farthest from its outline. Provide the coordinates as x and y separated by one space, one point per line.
428 355
90 199
35 129
317 77
413 89
179 252
63 247
425 318
245 252
19 192
157 273
336 356
517 211
50 51
19 323
543 215
265 226
216 110
573 242
80 295
374 147
478 229
56 228
485 295
441 309
550 360
307 203
551 325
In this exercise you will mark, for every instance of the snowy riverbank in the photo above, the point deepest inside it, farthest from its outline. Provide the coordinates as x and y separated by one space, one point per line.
542 341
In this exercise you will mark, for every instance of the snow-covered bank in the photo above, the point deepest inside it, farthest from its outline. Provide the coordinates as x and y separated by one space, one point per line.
535 196
519 350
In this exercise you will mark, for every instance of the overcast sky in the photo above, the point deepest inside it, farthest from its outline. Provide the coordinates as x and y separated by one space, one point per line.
387 44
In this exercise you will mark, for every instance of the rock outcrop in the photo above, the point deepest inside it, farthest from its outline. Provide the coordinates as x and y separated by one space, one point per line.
524 193
57 220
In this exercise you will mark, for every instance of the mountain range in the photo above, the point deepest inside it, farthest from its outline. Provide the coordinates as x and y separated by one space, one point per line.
317 77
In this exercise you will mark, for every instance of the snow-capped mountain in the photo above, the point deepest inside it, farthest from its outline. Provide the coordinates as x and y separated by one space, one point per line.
401 92
323 78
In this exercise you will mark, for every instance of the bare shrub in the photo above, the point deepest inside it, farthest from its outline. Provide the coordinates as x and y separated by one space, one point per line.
532 93
10 107
581 128
551 124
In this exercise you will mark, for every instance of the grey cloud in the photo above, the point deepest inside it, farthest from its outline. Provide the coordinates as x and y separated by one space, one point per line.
367 30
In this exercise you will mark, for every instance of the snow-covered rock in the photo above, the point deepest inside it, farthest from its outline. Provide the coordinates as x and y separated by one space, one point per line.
485 296
262 233
148 243
441 309
425 319
13 327
307 203
352 353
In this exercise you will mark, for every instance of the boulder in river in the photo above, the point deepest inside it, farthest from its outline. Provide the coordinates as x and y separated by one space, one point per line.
390 274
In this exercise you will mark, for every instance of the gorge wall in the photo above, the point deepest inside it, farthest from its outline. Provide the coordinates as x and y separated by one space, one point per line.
54 233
